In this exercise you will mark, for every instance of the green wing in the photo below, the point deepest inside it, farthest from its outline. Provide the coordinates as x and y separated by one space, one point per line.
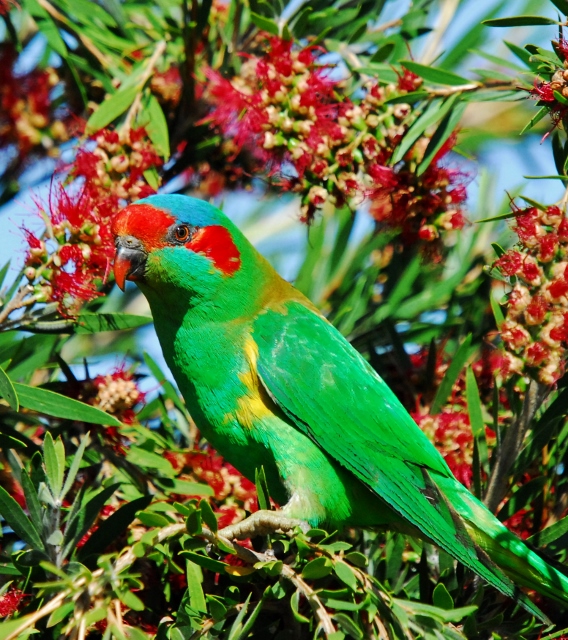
331 394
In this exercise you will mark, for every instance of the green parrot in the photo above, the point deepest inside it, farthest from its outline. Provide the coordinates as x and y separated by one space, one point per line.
270 382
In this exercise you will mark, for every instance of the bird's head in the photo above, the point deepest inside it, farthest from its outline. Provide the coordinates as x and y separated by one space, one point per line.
179 248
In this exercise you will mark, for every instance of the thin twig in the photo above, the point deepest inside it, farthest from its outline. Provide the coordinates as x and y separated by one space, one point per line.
87 42
160 48
512 443
386 25
17 302
430 53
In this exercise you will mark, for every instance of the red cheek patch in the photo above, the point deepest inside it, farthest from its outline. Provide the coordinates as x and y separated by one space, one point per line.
217 244
145 222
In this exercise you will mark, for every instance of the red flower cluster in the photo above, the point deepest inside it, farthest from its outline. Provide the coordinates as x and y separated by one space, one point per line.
288 111
10 602
535 331
67 263
27 118
544 91
450 431
237 493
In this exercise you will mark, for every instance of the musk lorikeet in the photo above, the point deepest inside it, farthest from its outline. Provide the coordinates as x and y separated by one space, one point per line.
269 381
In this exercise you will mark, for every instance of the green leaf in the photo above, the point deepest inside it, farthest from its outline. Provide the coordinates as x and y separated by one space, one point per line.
88 322
194 579
59 406
54 460
17 519
32 501
4 272
130 600
262 494
60 613
318 568
451 375
111 108
346 575
543 111
383 52
47 27
442 598
442 133
497 311
209 518
86 516
519 21
521 498
432 114
113 527
294 606
151 519
474 404
184 487
561 5
432 74
74 468
7 391
216 566
349 626
157 127
264 24
149 460
550 534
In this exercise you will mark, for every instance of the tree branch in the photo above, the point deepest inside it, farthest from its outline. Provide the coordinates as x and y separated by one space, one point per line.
512 442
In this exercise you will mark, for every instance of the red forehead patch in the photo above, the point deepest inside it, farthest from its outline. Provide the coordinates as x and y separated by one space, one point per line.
145 222
217 244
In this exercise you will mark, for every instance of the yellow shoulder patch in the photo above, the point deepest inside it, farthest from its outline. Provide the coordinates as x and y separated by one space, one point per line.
255 404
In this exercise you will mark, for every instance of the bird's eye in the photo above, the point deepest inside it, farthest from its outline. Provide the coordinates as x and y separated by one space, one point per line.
182 233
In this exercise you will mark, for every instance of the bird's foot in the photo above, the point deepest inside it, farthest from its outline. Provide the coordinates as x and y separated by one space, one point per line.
262 523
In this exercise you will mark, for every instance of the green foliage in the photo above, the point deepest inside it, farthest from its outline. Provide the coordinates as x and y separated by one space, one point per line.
113 522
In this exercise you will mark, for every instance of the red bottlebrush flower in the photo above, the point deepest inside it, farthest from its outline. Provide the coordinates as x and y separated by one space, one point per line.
530 271
409 81
536 354
10 602
451 432
514 335
510 263
558 288
536 310
542 91
561 47
548 247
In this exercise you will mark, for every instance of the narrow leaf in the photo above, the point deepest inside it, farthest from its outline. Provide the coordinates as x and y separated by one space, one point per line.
17 519
157 128
519 21
111 108
59 406
74 468
432 114
550 534
54 460
432 74
7 391
451 376
442 133
32 501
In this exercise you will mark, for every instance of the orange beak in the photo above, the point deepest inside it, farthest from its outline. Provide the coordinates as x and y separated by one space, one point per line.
129 261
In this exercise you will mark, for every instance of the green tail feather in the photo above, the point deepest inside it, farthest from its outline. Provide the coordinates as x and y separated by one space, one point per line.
506 550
